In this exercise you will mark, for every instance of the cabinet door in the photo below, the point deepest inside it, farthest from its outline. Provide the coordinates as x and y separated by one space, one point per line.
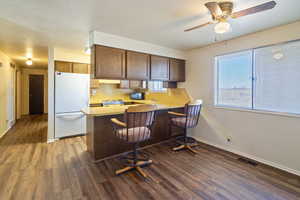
159 68
138 66
80 68
177 70
109 63
62 66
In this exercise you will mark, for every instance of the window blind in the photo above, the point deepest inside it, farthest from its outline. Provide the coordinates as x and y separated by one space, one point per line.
277 78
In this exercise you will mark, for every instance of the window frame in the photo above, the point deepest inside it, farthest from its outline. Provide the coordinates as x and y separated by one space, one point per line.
246 109
216 86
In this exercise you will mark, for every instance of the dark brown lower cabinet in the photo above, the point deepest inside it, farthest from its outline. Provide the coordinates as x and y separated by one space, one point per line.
102 143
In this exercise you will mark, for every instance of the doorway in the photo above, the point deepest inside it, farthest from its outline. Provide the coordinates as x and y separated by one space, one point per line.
36 94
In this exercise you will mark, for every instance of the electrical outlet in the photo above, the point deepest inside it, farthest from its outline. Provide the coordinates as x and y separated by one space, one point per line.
94 92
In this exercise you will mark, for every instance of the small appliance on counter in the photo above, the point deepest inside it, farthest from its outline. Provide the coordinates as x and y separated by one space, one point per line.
137 96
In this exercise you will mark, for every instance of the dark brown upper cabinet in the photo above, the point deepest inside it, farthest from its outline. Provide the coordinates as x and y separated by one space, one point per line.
138 66
177 70
109 63
159 68
62 66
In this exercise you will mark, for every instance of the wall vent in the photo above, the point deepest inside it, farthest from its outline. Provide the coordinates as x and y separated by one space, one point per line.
248 161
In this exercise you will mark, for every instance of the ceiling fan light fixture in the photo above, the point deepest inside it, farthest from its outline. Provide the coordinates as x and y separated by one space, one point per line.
222 27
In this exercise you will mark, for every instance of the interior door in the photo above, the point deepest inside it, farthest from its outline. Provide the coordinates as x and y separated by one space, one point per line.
36 94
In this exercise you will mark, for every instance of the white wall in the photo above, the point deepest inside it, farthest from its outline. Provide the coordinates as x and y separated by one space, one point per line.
134 45
51 114
272 139
70 55
7 94
19 94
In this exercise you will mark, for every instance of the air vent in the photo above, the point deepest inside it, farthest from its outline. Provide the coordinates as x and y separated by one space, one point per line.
247 161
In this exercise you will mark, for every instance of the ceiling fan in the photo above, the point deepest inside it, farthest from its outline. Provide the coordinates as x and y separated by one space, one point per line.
222 11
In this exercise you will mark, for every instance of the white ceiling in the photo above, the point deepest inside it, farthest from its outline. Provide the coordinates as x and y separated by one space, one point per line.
33 25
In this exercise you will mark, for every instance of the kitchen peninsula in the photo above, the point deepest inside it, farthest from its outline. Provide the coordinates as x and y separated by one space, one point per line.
102 143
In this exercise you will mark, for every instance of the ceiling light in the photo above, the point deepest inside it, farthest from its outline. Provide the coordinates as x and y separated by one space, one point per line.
87 50
222 27
28 61
278 56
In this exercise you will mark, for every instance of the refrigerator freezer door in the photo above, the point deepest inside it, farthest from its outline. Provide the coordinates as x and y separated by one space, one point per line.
69 124
71 92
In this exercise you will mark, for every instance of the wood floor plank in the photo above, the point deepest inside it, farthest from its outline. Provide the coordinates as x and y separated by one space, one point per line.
32 169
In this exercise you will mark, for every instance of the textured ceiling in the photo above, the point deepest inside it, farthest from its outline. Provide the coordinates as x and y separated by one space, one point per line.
35 24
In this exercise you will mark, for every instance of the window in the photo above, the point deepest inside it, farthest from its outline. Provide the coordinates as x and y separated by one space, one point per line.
264 79
234 80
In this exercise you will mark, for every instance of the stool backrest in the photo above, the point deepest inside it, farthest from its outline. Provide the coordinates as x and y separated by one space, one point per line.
192 111
140 116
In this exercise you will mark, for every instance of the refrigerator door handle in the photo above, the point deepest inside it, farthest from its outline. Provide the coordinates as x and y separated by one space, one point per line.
70 117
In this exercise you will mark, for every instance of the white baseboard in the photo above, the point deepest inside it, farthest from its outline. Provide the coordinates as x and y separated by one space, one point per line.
51 140
2 134
10 125
270 163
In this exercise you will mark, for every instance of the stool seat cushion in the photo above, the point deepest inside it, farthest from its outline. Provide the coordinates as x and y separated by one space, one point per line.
136 134
181 121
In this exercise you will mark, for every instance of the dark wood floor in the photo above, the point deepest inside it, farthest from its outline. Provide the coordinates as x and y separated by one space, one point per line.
32 169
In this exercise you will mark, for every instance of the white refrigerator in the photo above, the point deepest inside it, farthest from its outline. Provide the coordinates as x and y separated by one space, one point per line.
71 95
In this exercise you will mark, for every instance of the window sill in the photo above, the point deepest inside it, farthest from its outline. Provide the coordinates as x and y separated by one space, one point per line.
258 111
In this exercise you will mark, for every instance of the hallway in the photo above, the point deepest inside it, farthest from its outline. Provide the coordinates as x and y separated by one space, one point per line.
32 169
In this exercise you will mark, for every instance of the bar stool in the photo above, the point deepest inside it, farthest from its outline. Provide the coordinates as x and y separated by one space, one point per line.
183 121
136 128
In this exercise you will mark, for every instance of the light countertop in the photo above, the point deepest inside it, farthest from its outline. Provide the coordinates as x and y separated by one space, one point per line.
120 109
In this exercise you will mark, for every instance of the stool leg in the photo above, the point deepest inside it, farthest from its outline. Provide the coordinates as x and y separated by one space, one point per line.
186 145
135 163
125 169
190 148
179 147
139 169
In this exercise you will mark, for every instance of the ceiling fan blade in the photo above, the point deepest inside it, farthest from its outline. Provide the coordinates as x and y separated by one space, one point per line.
255 9
199 26
214 9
